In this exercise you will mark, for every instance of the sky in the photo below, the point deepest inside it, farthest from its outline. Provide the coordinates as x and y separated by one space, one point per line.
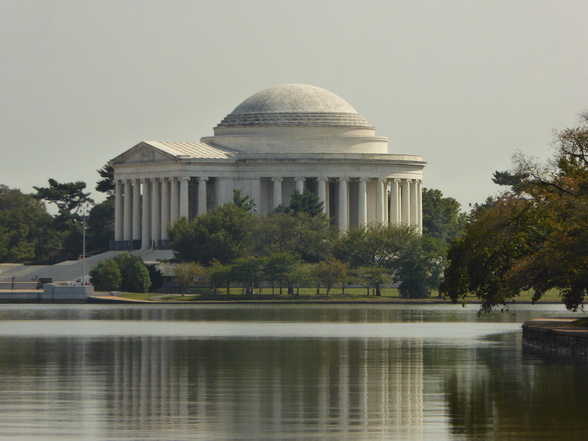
463 83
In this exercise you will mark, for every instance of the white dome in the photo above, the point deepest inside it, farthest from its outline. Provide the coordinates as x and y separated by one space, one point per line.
294 105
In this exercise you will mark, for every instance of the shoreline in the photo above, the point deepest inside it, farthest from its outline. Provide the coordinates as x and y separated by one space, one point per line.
556 335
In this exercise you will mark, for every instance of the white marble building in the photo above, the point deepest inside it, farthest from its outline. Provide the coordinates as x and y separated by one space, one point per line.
279 140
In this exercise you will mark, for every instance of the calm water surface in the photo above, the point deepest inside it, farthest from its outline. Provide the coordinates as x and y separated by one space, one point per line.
296 372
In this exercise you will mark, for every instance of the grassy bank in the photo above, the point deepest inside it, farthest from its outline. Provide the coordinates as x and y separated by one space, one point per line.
310 295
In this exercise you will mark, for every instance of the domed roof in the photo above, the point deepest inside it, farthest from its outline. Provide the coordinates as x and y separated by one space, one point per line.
294 105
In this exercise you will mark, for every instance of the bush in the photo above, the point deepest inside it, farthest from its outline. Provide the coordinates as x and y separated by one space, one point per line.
106 276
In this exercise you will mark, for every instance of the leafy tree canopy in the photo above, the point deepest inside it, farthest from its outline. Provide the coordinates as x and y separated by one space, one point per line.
68 197
535 236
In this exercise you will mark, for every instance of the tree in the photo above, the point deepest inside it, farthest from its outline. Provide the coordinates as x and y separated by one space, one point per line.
68 197
26 229
106 184
136 277
306 202
223 234
219 275
374 245
277 267
535 236
124 271
243 202
100 226
442 218
372 277
187 274
330 272
306 237
247 272
106 276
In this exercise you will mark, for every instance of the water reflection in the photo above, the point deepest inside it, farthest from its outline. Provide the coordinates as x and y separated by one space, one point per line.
434 375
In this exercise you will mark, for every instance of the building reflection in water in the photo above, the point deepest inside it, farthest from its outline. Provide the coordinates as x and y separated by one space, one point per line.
248 388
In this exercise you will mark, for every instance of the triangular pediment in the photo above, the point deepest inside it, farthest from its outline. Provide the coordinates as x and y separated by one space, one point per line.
156 151
142 153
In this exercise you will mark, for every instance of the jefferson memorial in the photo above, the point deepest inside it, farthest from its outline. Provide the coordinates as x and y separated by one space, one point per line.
282 139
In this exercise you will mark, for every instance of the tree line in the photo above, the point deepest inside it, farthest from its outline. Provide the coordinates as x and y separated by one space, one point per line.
297 246
30 234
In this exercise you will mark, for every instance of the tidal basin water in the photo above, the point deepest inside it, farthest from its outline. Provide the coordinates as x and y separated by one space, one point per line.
288 372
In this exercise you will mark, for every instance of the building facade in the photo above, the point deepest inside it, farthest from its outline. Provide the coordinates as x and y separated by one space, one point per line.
286 138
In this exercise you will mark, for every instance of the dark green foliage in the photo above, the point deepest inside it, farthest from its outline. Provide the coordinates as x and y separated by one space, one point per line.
243 202
68 197
277 267
100 226
442 218
156 277
136 277
123 272
306 202
106 276
106 184
223 234
26 229
307 237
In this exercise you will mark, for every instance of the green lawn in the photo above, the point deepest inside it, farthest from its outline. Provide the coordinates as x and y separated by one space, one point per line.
309 294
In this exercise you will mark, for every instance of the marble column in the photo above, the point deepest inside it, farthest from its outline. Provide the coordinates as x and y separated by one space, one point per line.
300 184
394 209
414 219
405 202
165 207
420 204
322 193
174 200
137 209
127 210
221 191
362 202
146 214
380 207
118 210
202 196
155 211
343 221
184 197
277 191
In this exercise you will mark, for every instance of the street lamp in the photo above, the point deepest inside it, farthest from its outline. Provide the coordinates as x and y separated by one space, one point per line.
84 210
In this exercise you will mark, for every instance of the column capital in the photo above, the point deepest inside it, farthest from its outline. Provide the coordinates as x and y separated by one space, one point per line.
363 179
343 179
381 179
322 179
183 178
300 179
203 178
277 179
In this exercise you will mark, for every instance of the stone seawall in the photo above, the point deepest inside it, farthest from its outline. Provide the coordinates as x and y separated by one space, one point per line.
556 335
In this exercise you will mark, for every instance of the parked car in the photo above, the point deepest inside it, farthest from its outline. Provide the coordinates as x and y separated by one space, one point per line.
42 280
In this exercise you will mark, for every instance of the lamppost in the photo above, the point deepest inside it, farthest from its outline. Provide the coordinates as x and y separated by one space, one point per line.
84 210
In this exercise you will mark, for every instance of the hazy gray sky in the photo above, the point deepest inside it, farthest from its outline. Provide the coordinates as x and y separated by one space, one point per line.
463 83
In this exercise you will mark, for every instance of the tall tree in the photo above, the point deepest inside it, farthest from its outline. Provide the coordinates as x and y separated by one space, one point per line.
442 218
535 236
